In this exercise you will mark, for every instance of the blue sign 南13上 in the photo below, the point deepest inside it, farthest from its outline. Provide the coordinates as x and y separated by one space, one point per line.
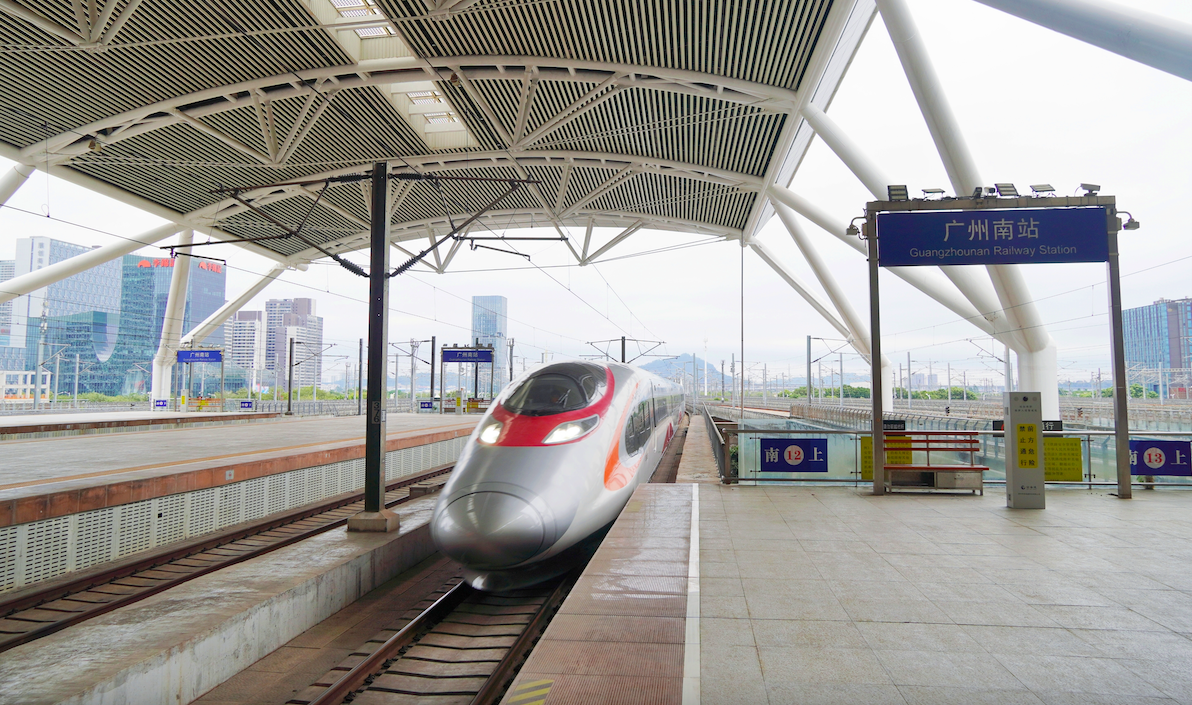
200 355
467 355
794 455
1006 236
1160 458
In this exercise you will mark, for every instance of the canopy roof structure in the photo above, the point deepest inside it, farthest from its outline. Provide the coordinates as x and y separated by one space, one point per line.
654 114
683 115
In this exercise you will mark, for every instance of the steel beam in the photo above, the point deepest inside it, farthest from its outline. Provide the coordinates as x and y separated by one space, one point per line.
221 316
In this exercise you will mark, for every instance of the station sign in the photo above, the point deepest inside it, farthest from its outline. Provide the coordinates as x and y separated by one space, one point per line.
893 424
467 355
161 403
200 356
1160 458
794 455
246 405
995 236
426 406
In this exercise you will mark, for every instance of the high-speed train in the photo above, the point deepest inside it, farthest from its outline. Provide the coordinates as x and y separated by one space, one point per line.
549 468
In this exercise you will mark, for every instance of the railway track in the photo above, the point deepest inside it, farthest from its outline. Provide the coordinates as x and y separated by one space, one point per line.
460 647
32 614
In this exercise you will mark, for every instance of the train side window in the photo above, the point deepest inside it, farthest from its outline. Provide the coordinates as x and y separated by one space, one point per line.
637 429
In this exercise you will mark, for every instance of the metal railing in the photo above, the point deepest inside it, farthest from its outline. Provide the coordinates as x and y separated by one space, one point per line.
1098 448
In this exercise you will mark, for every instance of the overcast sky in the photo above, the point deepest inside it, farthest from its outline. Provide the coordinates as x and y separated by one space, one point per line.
1035 107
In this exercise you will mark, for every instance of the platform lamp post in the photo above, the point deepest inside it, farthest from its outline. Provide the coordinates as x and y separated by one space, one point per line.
375 517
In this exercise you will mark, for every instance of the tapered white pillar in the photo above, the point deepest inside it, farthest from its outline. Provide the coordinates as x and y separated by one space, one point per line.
1158 42
171 324
26 283
13 180
217 319
1022 327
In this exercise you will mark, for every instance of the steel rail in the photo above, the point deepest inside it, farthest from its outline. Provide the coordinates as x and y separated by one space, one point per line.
353 679
34 600
494 685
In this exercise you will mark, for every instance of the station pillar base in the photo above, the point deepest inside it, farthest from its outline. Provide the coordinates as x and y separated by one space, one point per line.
382 521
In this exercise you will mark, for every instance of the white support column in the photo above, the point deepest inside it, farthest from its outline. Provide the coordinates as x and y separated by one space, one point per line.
1036 352
26 283
171 325
217 319
13 180
1158 42
823 310
918 277
847 151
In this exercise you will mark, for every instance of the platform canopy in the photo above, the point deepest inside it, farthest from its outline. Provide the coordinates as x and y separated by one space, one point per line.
637 114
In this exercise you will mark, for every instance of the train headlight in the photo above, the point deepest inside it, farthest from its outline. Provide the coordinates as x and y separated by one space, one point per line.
490 433
572 430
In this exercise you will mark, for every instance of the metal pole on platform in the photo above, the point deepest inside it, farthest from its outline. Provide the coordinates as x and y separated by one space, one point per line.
75 403
809 376
290 381
877 431
431 389
1121 418
360 380
375 517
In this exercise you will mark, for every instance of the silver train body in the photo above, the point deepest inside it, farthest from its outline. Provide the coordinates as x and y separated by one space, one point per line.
550 467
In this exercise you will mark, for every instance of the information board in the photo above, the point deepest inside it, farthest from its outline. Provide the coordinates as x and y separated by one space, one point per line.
1160 457
200 355
893 457
467 355
1005 236
246 405
794 455
161 403
1063 459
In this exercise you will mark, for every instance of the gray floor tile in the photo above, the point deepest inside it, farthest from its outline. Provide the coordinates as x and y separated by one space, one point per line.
918 637
1031 640
731 675
934 695
955 669
715 631
820 634
785 665
1076 674
833 694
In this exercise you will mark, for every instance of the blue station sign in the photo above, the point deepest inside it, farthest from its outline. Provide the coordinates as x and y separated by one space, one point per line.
1160 458
467 355
794 455
1005 236
200 355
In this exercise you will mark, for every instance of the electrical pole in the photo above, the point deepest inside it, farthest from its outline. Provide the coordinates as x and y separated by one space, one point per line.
431 392
360 378
511 359
290 383
375 517
76 382
623 348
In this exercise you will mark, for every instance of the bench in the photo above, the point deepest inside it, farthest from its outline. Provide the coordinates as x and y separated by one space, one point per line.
948 476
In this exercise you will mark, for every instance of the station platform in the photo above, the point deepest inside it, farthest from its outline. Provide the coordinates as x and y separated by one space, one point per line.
77 423
832 595
48 477
177 645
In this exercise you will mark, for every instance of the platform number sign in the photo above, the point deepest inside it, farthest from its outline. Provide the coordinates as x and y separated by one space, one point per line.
794 455
1160 458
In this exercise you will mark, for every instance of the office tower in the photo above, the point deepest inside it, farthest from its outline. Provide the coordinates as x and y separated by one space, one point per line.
490 326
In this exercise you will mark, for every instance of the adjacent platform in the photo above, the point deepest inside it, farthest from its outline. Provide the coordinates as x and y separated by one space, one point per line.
50 477
177 645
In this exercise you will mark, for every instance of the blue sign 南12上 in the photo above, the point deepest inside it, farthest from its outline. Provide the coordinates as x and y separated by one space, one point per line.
1006 236
467 355
794 455
200 355
246 405
1160 457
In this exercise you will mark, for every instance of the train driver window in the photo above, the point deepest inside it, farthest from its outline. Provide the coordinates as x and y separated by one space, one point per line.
557 390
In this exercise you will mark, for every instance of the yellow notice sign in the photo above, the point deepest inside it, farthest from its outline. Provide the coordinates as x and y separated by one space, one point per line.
893 457
1028 451
1063 460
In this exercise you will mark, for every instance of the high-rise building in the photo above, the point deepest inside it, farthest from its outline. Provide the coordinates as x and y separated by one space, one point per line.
7 269
490 326
246 342
287 319
108 318
1158 341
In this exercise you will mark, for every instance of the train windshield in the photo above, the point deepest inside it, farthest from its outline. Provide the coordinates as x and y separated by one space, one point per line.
557 390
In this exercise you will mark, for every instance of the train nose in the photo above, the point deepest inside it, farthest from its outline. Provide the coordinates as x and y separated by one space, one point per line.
489 530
